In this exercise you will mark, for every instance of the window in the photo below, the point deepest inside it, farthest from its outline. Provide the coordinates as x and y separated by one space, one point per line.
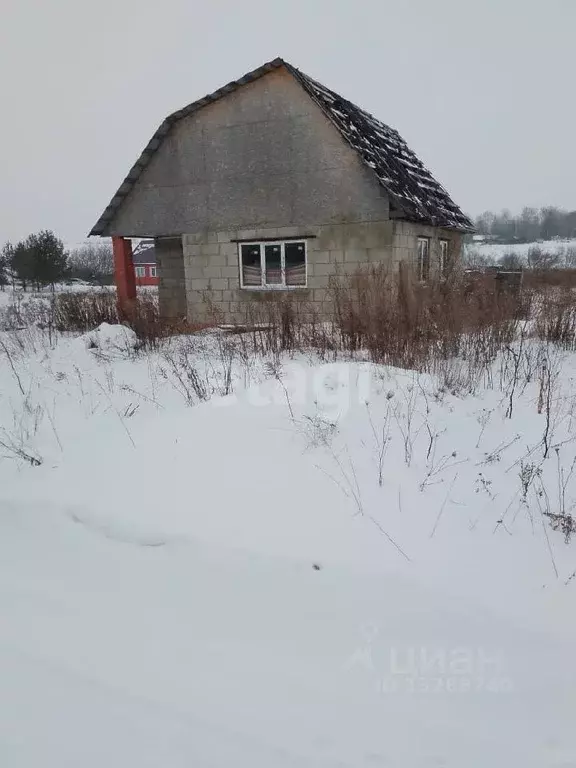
423 258
140 271
444 258
273 265
153 272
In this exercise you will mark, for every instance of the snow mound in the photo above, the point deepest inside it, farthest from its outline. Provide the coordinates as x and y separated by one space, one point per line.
109 338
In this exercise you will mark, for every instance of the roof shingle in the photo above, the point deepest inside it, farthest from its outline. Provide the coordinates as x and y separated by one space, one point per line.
410 185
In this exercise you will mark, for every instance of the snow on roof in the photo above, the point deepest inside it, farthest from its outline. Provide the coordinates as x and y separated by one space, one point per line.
144 255
414 193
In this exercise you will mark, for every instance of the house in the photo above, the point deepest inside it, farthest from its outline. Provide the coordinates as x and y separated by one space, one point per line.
276 184
144 260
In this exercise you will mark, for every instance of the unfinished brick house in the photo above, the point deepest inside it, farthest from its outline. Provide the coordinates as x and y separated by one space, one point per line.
272 184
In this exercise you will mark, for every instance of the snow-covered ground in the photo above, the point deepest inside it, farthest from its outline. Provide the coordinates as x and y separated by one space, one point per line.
331 565
16 300
497 250
19 308
10 296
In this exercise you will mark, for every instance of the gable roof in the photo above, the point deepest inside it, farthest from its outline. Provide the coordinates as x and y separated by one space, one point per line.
146 255
413 191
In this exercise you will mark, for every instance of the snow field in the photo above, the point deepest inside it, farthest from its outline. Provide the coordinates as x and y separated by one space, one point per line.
333 564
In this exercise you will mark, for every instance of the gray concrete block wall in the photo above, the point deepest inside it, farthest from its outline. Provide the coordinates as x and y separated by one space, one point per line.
212 267
172 287
405 244
200 275
266 156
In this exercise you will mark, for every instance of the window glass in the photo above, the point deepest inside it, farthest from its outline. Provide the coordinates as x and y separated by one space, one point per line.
273 264
251 267
295 256
423 258
444 264
273 260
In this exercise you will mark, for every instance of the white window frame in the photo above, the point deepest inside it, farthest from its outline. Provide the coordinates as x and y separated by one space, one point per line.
421 275
140 271
443 258
273 286
153 271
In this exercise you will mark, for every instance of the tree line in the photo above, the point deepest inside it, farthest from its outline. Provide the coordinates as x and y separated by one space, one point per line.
41 259
531 224
537 258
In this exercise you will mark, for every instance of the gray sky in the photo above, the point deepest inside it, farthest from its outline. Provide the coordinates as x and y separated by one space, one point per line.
482 90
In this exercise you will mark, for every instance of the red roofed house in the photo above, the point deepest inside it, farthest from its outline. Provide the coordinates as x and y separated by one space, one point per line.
145 268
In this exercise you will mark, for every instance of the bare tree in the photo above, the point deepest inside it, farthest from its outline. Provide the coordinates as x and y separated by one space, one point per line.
532 224
528 228
474 259
539 258
511 261
569 257
93 262
484 223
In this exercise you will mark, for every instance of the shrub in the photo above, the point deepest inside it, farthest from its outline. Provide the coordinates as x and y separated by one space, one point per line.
555 316
83 312
406 323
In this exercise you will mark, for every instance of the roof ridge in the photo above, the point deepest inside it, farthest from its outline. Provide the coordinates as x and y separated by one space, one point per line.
381 148
339 96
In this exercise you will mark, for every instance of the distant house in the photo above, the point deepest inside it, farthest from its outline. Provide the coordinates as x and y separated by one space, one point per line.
145 267
274 183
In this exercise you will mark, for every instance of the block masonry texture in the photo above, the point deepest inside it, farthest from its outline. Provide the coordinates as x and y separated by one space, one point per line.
211 274
172 299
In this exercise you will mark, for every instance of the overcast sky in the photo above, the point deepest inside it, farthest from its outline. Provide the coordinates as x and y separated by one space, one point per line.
482 90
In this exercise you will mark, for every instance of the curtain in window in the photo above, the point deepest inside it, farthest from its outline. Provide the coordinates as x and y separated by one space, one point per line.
295 260
251 267
273 264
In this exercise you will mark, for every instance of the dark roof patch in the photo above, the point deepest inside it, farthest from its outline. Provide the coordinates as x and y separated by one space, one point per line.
412 189
144 256
144 252
408 182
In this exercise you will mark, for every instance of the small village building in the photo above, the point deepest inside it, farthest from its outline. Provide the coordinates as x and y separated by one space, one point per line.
274 184
145 267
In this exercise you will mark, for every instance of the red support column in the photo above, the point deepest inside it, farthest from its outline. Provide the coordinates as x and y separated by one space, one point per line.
124 275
